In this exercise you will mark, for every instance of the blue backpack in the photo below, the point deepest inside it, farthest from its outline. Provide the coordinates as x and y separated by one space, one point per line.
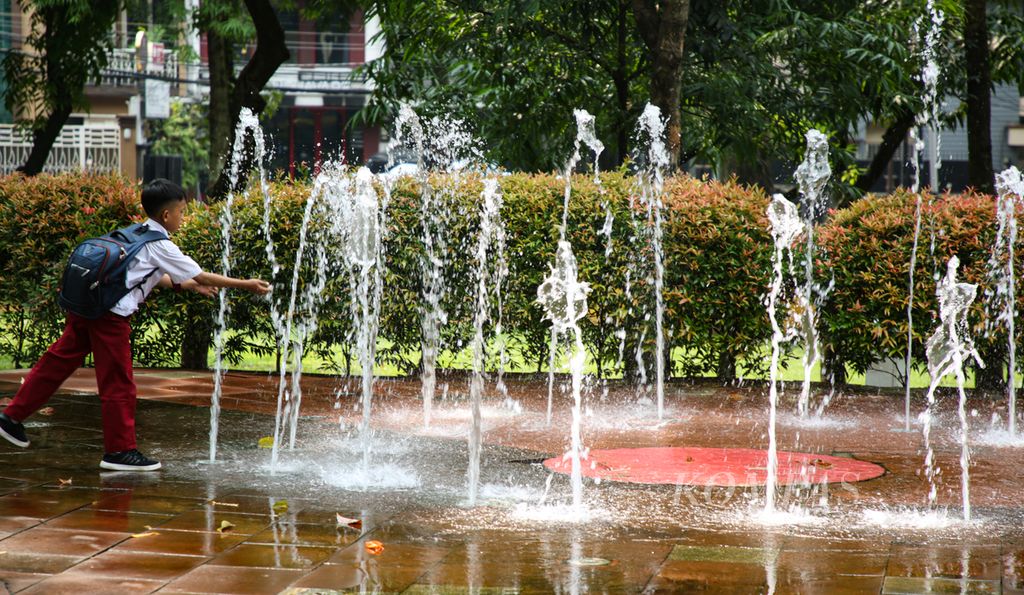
94 278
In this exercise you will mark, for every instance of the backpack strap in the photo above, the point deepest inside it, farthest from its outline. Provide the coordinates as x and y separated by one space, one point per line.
138 235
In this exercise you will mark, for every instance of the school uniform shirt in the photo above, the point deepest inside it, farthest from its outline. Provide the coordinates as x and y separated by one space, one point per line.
154 259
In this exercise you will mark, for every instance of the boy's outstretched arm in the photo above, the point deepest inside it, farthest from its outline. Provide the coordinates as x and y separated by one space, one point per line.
190 285
257 286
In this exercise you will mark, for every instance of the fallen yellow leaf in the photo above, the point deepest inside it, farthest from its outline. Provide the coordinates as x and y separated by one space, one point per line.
374 547
146 534
280 506
266 442
215 503
225 526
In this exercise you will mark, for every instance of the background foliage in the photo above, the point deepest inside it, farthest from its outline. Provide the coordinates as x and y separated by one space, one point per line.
717 259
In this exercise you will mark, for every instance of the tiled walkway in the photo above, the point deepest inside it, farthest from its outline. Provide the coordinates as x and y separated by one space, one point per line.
232 527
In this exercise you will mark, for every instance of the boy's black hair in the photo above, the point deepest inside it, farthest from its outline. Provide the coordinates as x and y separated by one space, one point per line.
158 193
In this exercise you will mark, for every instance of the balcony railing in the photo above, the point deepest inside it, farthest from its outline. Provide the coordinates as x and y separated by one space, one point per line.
124 67
94 149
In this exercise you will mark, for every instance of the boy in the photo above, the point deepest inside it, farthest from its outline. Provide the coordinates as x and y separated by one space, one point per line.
107 337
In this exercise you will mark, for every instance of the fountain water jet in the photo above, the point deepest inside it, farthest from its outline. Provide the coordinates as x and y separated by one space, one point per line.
1002 296
930 79
948 347
785 227
811 176
490 223
585 134
246 121
564 299
651 129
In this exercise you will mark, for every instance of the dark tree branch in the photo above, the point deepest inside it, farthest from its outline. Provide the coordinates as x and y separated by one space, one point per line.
270 53
980 173
894 136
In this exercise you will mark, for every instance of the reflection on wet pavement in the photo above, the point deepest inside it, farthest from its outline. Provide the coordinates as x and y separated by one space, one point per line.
239 526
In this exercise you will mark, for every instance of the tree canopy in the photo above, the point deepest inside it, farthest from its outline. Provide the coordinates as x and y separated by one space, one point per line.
755 74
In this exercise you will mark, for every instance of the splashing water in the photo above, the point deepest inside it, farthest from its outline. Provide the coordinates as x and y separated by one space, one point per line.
246 121
651 129
409 134
564 299
811 176
359 217
490 223
785 227
302 315
1002 295
585 134
929 77
947 348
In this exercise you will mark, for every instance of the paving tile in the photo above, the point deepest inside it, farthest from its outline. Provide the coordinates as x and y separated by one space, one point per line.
394 555
13 524
107 520
14 582
70 584
283 532
131 502
912 585
832 563
185 543
198 520
35 563
431 589
856 585
274 556
681 576
731 554
365 578
39 507
139 565
946 562
265 505
234 580
65 542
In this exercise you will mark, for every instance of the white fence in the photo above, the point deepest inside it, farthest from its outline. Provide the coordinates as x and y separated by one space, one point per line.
78 148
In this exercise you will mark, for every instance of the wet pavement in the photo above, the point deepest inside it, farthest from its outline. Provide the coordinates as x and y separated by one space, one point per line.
241 525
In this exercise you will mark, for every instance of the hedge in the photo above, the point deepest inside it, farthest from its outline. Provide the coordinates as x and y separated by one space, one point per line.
717 268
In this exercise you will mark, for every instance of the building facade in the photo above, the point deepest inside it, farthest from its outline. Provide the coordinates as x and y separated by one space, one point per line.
319 91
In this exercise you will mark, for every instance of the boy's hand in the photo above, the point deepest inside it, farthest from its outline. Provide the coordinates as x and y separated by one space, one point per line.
258 286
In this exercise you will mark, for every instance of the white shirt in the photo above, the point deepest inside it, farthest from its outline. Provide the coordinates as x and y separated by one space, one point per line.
154 259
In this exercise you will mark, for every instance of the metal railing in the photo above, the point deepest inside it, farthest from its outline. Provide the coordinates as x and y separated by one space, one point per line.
94 149
123 67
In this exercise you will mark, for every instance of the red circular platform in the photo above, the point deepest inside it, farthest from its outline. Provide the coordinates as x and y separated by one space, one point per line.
680 465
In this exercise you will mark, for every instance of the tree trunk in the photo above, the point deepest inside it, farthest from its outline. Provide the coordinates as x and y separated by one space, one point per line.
43 139
894 136
662 26
227 98
222 78
726 371
270 53
56 75
980 173
198 337
622 86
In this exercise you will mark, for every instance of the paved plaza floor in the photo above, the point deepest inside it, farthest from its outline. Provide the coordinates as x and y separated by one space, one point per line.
319 520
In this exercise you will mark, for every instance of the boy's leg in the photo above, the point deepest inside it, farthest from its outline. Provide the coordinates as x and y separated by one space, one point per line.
112 354
53 368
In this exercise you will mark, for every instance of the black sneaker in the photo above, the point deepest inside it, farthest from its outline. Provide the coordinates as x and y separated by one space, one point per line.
13 431
128 460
